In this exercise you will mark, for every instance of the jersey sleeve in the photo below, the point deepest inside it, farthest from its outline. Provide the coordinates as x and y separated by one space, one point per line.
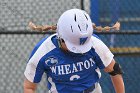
103 55
35 67
33 73
36 64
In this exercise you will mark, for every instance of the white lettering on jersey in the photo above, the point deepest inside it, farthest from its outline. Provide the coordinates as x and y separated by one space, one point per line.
87 64
67 68
53 69
61 69
75 67
80 65
74 77
92 62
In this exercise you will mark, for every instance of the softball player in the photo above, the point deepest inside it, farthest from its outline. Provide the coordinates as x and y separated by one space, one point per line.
72 58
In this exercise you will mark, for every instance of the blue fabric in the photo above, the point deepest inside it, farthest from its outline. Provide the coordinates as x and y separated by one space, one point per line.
70 72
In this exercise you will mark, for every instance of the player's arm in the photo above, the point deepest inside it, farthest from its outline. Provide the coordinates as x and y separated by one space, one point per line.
106 61
29 87
115 72
33 75
34 69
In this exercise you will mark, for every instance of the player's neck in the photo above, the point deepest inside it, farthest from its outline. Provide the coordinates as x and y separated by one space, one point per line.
62 46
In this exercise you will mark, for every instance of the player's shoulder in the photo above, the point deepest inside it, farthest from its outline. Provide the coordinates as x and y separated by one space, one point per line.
96 36
102 51
44 46
47 39
46 42
97 42
95 39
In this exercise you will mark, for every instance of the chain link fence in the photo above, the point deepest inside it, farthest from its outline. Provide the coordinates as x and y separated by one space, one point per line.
15 15
16 48
126 48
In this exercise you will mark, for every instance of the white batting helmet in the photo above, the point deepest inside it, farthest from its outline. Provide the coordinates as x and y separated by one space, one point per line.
75 28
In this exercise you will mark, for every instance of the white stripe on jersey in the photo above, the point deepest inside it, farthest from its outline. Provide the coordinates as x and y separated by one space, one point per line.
98 71
43 49
53 87
97 88
103 51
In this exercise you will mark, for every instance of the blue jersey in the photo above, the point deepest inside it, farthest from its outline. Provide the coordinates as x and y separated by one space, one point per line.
67 72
